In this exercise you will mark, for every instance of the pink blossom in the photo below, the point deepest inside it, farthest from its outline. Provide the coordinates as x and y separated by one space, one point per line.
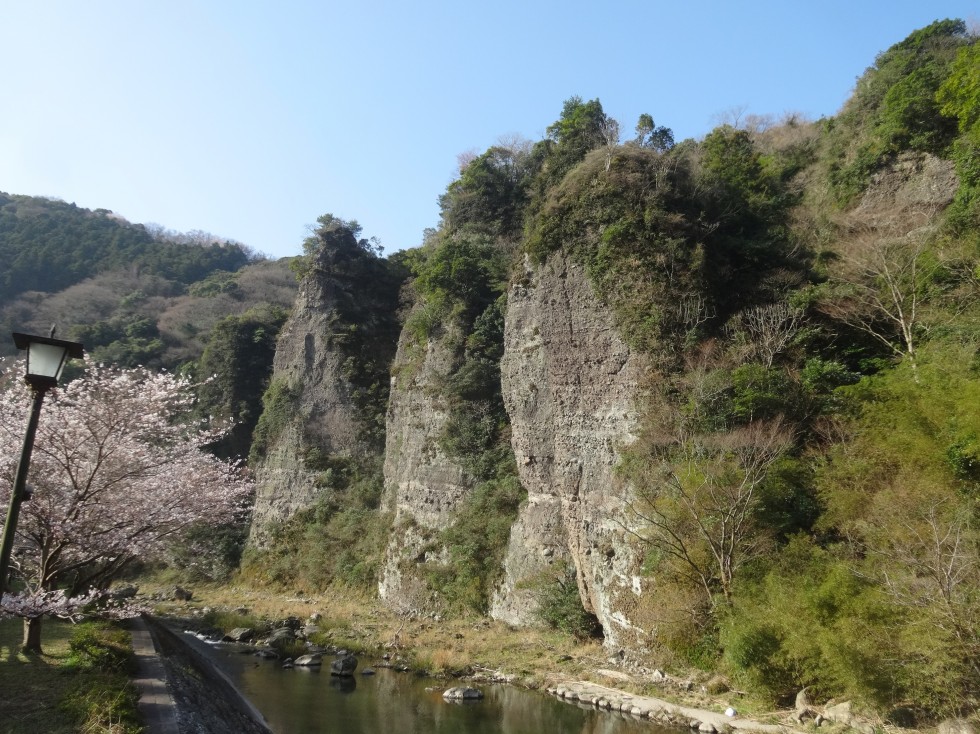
119 469
57 603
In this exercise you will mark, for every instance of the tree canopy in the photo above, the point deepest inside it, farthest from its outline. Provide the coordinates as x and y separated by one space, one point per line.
118 472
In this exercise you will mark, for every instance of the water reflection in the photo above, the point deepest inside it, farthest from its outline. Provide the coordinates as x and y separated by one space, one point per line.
311 701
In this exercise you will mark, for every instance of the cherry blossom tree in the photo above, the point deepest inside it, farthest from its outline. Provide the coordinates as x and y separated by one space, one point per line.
119 470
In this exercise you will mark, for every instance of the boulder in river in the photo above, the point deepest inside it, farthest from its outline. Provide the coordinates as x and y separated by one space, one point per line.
462 693
344 665
240 634
280 636
308 660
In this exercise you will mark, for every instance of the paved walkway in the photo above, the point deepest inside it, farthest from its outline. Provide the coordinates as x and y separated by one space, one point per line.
155 704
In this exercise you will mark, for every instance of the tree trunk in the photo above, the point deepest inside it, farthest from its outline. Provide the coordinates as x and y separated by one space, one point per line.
32 635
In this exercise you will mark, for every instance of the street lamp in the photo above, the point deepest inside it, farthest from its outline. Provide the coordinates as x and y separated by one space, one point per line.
46 358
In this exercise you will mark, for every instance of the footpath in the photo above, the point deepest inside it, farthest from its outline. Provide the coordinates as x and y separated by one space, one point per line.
181 690
156 705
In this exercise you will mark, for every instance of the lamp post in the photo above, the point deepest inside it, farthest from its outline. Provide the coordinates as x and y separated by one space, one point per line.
46 358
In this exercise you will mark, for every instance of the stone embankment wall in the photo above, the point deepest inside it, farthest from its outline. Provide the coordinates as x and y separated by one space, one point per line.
205 698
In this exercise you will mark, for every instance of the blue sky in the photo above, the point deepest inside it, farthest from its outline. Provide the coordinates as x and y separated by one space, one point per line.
250 119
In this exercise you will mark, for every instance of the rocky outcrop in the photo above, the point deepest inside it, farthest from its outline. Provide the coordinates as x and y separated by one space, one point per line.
423 486
570 385
908 193
317 412
308 364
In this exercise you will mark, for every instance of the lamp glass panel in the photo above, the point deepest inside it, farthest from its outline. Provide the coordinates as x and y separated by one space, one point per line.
45 360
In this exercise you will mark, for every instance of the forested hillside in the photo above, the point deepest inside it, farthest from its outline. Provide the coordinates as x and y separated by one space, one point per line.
799 499
770 466
140 295
48 245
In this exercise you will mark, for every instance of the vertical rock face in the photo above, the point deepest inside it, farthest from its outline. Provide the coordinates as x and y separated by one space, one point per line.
570 385
423 486
318 407
307 363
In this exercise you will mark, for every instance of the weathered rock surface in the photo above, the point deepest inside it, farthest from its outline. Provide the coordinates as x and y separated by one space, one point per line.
311 364
281 635
423 486
344 666
570 386
462 693
308 361
956 726
909 192
240 634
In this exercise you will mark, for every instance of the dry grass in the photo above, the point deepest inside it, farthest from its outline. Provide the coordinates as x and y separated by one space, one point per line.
535 658
440 647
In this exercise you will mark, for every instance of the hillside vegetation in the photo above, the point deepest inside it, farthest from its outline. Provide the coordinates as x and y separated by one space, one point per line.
808 469
140 295
806 476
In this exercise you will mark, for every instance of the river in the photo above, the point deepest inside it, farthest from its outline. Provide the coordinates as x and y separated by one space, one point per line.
311 701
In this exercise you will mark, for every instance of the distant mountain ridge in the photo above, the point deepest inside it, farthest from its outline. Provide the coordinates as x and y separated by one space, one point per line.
48 245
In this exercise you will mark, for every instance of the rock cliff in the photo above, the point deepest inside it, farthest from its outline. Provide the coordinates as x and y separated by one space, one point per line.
570 385
571 388
423 486
319 408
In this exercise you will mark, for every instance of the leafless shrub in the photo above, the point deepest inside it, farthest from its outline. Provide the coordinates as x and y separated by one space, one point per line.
699 506
767 330
880 292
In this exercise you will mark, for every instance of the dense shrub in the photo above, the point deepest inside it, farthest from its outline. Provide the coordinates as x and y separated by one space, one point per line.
476 542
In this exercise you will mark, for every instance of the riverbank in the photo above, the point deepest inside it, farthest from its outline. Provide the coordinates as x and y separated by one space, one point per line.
483 650
203 698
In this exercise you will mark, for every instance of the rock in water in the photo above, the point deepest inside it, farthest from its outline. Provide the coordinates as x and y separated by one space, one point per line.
240 634
344 666
462 693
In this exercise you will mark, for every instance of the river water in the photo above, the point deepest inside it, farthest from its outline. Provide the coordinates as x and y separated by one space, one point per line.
311 701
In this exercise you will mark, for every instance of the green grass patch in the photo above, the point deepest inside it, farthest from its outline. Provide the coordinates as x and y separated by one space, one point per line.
80 683
228 620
